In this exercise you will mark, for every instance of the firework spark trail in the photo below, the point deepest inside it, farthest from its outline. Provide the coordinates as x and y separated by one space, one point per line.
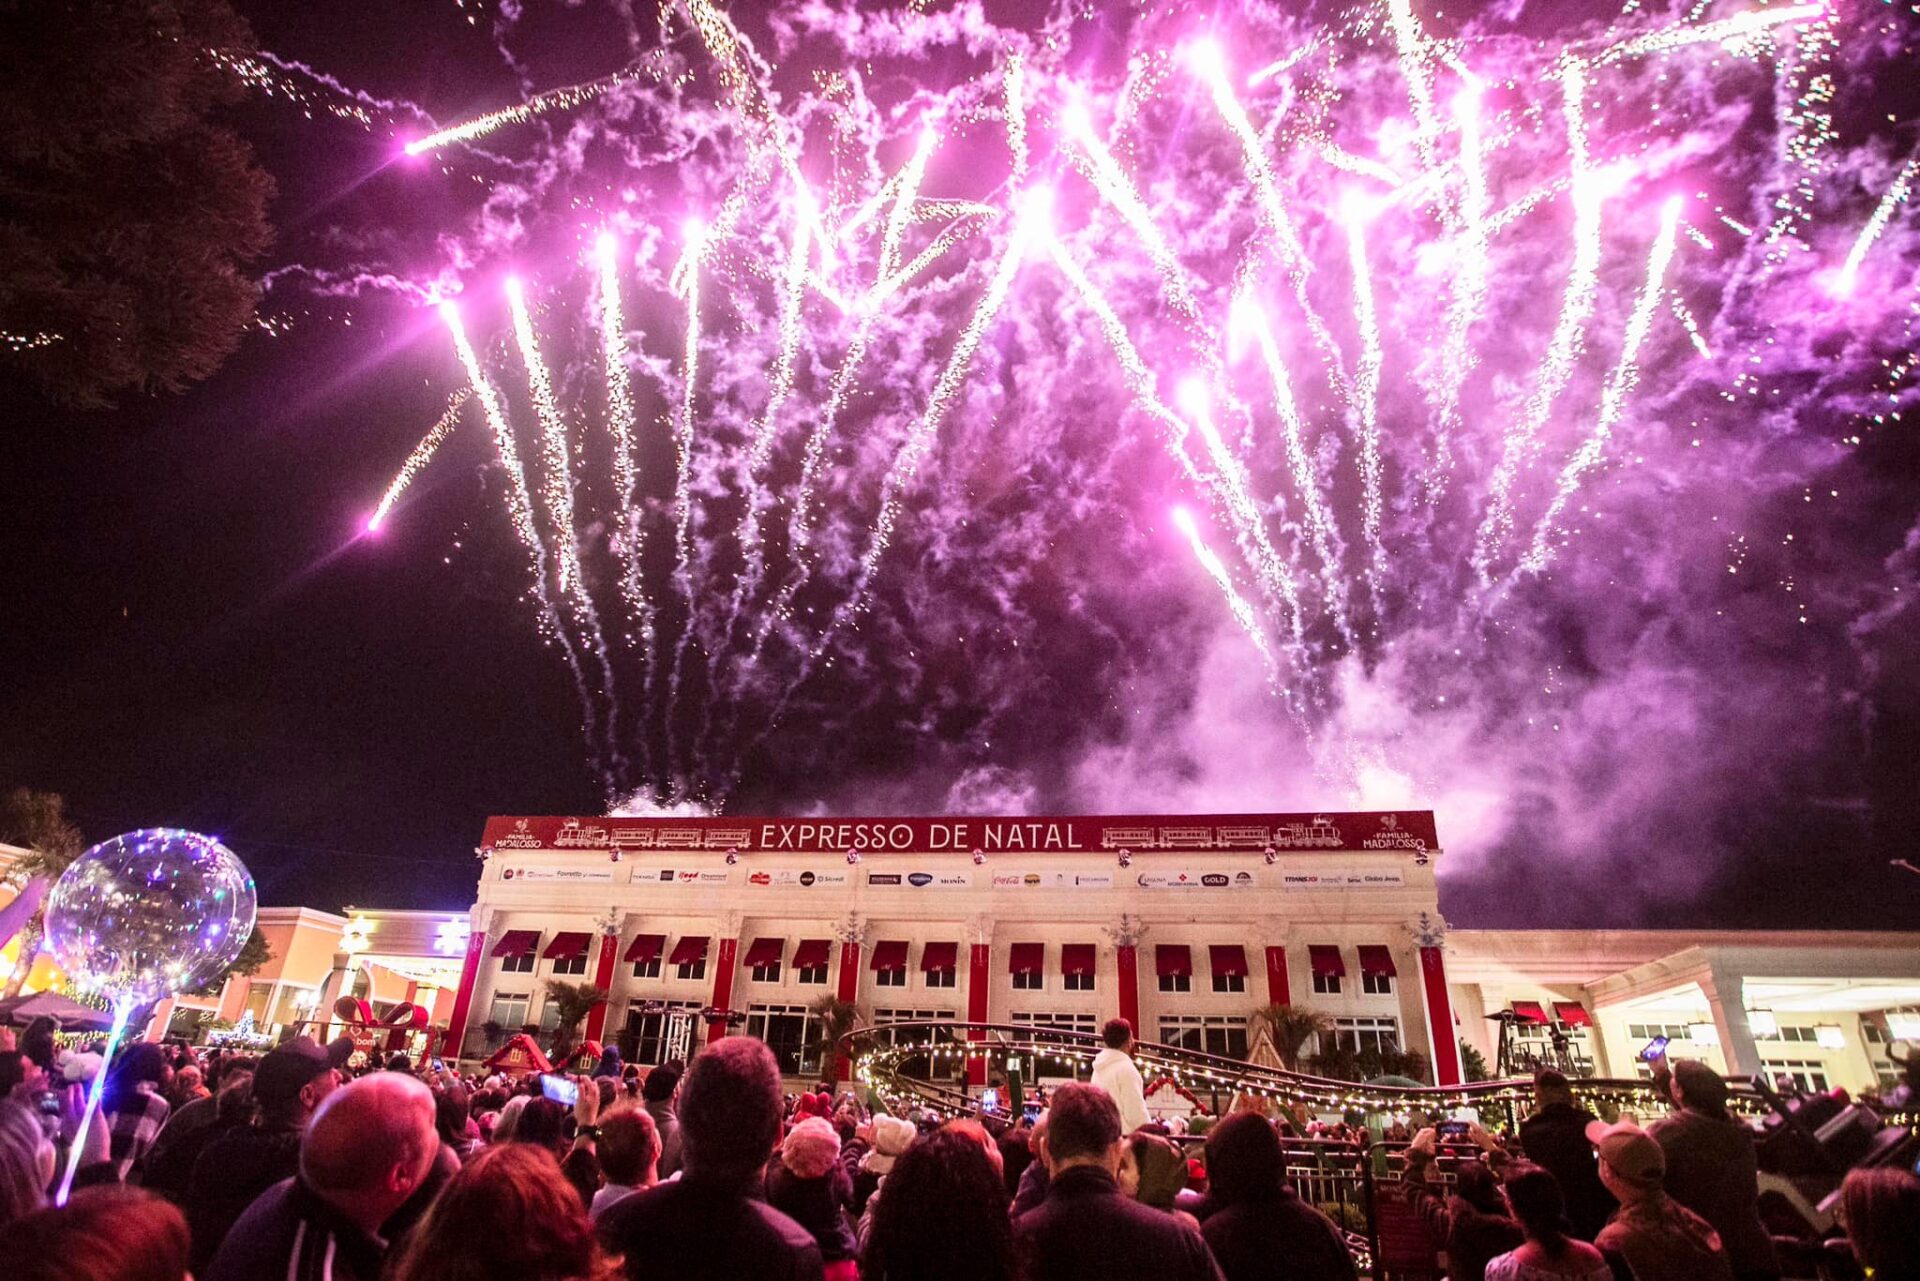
905 468
685 282
558 489
520 509
1367 394
1235 491
1235 500
1473 269
1416 68
321 78
1322 530
1613 398
1738 27
552 100
1882 215
620 425
441 429
1118 190
1687 322
1236 603
1017 118
557 492
1569 331
1211 65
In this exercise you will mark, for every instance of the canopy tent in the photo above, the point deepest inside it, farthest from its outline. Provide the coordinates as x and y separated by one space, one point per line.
71 1015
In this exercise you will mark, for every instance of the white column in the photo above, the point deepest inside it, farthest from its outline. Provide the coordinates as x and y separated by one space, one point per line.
1726 998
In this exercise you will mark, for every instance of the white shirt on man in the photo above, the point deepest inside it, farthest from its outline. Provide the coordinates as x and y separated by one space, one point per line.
1114 1072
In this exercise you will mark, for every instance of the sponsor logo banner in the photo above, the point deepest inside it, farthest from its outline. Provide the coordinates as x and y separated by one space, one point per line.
1410 831
923 880
1187 879
804 878
1343 879
883 878
1052 880
576 875
680 876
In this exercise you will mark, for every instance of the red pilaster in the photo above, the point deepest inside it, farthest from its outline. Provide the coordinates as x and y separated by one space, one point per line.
463 999
1446 1045
603 979
849 992
722 985
1127 962
978 964
1277 990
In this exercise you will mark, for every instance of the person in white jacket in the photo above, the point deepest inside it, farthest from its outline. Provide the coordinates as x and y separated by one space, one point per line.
1114 1072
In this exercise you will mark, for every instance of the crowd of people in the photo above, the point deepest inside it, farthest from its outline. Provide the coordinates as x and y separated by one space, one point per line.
295 1164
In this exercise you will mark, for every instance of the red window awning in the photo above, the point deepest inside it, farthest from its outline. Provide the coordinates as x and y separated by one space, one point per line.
812 953
645 948
766 951
1227 958
940 958
1078 958
567 944
1172 958
690 950
890 954
1375 959
1324 958
1572 1013
1026 958
1529 1012
517 943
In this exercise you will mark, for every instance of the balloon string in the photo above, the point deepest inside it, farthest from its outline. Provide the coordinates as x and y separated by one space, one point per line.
121 1010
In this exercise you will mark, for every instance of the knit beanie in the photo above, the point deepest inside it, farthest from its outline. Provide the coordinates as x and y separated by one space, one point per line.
810 1148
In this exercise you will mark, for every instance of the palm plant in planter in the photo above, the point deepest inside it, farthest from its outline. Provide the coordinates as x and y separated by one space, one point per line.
1291 1027
572 1003
835 1018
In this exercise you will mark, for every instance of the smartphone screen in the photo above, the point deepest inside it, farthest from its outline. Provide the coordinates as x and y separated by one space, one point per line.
1453 1129
559 1089
1653 1049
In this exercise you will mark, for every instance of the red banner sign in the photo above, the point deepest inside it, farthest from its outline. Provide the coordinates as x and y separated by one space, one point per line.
1408 830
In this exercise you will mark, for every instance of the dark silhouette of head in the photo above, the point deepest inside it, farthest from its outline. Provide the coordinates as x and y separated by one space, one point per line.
509 1212
1083 1122
1244 1160
730 1108
944 1215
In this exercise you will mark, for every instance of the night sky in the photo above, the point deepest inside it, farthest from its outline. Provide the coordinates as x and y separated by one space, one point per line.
198 633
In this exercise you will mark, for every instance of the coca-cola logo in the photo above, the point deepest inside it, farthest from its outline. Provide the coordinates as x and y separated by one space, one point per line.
760 878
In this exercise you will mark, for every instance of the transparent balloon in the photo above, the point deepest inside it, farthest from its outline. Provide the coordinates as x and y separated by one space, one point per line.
150 913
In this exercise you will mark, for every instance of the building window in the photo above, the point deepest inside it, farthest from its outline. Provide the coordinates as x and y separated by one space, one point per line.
509 1010
549 1018
257 997
789 1032
1077 982
653 1033
1050 1065
1377 984
1647 1031
570 964
768 973
694 971
1326 985
1808 1074
1381 1035
942 978
890 978
521 964
813 975
1208 1034
1029 981
1872 1033
1229 982
1176 982
1804 1035
647 969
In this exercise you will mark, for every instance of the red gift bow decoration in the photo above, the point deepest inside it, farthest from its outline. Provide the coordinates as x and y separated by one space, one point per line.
404 1018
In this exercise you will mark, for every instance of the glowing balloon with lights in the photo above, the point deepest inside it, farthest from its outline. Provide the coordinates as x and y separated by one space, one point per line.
139 917
150 913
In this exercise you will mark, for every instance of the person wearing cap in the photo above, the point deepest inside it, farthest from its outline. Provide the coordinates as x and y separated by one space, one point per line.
289 1085
1711 1167
1660 1239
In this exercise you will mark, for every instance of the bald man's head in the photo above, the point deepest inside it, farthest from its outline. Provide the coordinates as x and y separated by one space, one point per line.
370 1145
